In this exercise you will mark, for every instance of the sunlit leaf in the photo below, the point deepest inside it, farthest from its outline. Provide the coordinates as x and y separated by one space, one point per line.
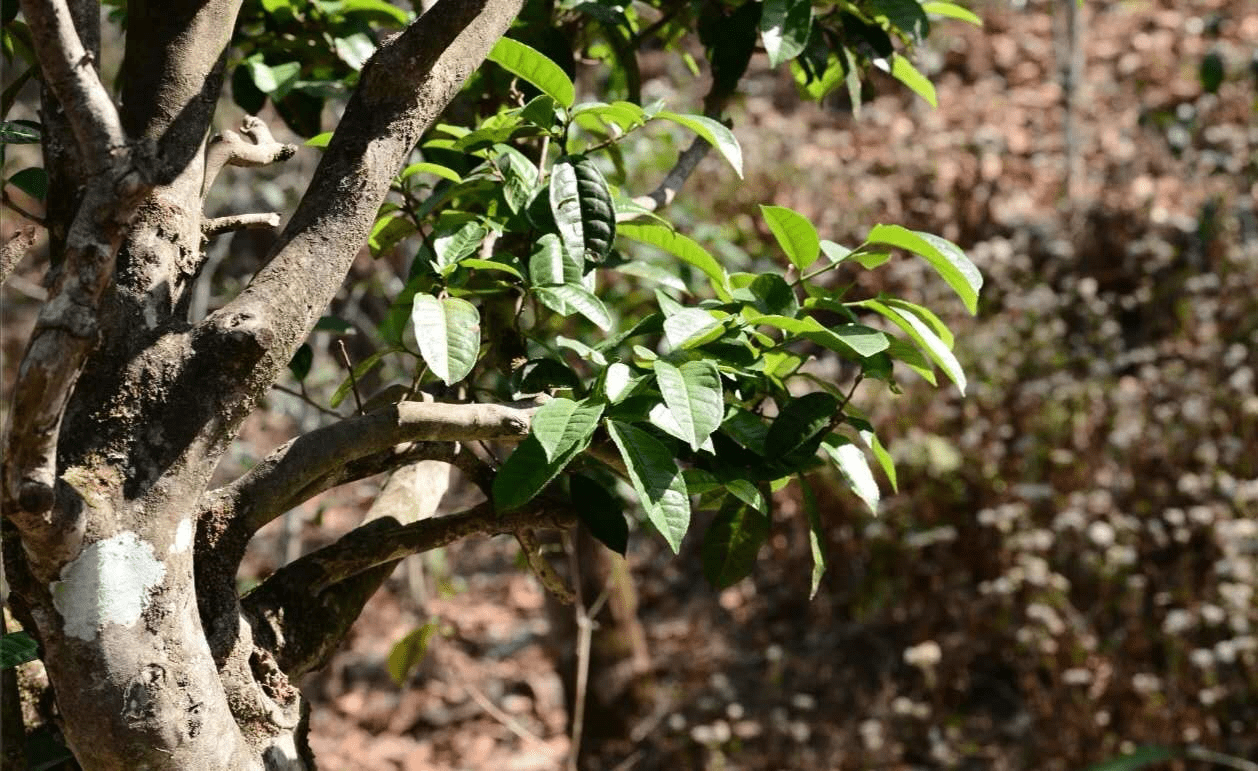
448 333
530 64
657 480
714 132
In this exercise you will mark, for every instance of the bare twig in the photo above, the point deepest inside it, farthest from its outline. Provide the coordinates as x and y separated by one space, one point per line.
306 398
353 380
253 146
257 221
508 722
15 206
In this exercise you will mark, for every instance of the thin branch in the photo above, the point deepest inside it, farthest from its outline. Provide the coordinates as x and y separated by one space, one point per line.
69 72
275 483
508 722
306 398
353 379
12 204
676 178
265 220
14 250
254 146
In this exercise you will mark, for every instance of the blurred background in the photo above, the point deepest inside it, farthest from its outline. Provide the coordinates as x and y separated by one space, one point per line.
1068 570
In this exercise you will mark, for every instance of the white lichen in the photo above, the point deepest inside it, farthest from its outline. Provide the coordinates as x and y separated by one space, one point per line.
183 537
109 582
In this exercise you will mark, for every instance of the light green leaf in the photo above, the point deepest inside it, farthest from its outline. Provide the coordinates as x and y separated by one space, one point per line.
913 358
530 64
854 467
653 272
355 50
681 246
559 424
904 71
618 381
732 542
657 480
714 132
573 298
944 256
501 267
881 455
925 314
448 333
451 246
952 11
319 140
843 339
424 167
387 232
551 265
378 8
276 80
816 535
794 233
623 115
784 27
691 327
408 652
694 396
925 337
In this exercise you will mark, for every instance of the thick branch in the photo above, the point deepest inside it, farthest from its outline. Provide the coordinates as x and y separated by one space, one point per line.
69 71
402 91
299 607
318 460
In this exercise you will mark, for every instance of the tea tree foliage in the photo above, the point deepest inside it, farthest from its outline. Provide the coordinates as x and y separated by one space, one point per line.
549 306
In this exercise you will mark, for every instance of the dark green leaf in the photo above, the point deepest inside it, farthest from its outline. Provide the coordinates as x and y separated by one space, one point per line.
732 542
388 232
582 207
1141 757
784 28
527 471
551 265
17 648
694 396
333 324
559 424
800 427
906 16
691 327
33 181
540 375
657 480
299 365
573 298
19 132
1211 72
601 512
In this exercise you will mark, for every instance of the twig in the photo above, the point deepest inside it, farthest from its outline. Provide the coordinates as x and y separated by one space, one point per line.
266 220
508 722
14 250
545 573
353 381
253 146
9 202
306 398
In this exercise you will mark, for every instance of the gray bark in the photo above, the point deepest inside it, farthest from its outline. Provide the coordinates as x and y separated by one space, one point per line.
122 407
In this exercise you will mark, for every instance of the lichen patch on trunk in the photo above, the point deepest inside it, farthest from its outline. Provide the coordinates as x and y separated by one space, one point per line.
183 536
109 582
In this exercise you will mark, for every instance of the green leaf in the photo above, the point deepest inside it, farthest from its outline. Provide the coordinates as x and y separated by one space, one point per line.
378 8
19 132
732 542
867 435
905 15
388 232
451 246
655 273
1211 72
355 50
530 64
681 246
551 265
843 339
784 27
925 314
952 11
926 339
17 648
854 467
618 381
408 652
816 535
299 365
913 358
527 471
794 233
800 427
1141 757
601 512
746 428
448 333
714 132
521 177
657 480
944 256
904 71
623 115
573 298
424 167
319 140
276 80
582 207
334 324
559 424
501 267
694 396
691 327
32 181
360 370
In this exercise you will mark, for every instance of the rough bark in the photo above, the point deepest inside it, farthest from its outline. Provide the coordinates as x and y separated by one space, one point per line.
125 569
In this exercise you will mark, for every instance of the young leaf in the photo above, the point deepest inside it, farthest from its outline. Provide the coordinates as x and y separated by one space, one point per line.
925 314
656 479
428 168
573 298
530 64
408 652
854 467
678 245
926 339
732 542
714 132
784 27
794 233
601 512
904 71
944 256
694 396
618 381
582 207
448 333
816 535
952 11
559 424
